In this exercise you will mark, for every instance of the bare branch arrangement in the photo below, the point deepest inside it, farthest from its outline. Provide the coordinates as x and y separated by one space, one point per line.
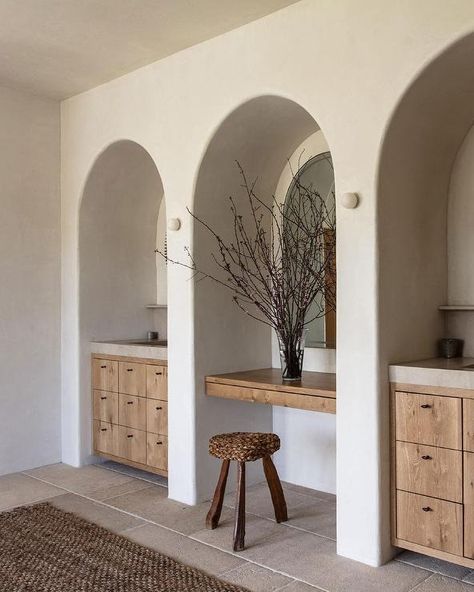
279 262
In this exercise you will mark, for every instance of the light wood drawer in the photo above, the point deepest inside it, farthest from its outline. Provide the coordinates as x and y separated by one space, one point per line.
132 444
105 406
157 451
157 416
105 375
132 379
427 470
429 419
105 437
157 382
469 505
132 411
430 522
468 424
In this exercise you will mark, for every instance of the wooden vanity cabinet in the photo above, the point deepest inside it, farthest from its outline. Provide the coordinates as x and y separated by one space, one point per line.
130 411
432 434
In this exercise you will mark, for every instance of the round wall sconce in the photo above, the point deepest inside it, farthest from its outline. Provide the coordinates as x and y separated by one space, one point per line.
174 224
349 200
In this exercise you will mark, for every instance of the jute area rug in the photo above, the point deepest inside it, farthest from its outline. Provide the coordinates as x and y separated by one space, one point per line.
43 549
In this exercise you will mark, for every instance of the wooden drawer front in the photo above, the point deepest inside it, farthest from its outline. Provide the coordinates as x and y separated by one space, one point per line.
105 437
157 416
430 522
132 444
132 412
469 505
468 424
157 382
429 419
105 407
105 375
132 379
427 470
157 451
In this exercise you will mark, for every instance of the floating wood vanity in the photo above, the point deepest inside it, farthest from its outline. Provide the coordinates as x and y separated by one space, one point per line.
130 411
432 434
315 392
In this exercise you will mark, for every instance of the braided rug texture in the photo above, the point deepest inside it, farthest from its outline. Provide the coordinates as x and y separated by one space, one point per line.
243 446
43 549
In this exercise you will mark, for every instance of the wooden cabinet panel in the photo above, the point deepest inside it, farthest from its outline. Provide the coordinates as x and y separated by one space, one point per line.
431 471
428 419
430 522
132 411
105 437
132 378
157 382
468 424
105 375
157 416
132 444
105 406
157 451
469 505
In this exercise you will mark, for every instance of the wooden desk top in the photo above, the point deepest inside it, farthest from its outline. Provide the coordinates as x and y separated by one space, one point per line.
316 391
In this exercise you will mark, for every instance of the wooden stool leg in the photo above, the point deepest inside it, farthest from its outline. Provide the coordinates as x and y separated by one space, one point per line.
214 514
239 527
276 490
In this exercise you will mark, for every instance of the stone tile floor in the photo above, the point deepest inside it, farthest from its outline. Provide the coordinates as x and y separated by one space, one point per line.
298 556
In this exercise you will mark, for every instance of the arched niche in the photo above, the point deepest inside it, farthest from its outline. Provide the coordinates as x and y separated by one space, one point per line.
261 135
419 149
418 152
118 223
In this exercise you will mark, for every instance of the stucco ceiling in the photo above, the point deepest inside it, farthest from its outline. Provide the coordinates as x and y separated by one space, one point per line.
58 48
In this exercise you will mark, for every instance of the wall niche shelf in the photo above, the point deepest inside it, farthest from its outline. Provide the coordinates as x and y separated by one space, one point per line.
456 307
156 306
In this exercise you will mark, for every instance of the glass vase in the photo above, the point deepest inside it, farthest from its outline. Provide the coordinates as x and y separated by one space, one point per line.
291 356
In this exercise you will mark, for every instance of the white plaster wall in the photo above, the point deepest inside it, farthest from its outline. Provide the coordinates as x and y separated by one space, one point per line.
173 108
30 282
117 234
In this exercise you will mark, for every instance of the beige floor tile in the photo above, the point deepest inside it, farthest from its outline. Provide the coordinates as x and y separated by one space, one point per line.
152 504
19 489
316 516
97 513
90 480
257 532
438 583
181 548
330 497
256 578
313 559
296 586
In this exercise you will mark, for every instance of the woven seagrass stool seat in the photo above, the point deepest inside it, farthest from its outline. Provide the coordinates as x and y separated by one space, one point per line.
245 447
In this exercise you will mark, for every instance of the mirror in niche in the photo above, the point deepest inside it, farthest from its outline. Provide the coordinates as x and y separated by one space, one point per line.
318 174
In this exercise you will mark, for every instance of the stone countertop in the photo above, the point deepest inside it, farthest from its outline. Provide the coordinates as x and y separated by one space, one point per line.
442 372
133 348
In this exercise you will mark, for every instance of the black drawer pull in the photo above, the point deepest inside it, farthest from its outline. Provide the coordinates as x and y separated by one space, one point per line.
103 366
103 398
158 408
158 373
129 369
103 429
427 509
129 435
159 443
426 457
129 402
425 406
